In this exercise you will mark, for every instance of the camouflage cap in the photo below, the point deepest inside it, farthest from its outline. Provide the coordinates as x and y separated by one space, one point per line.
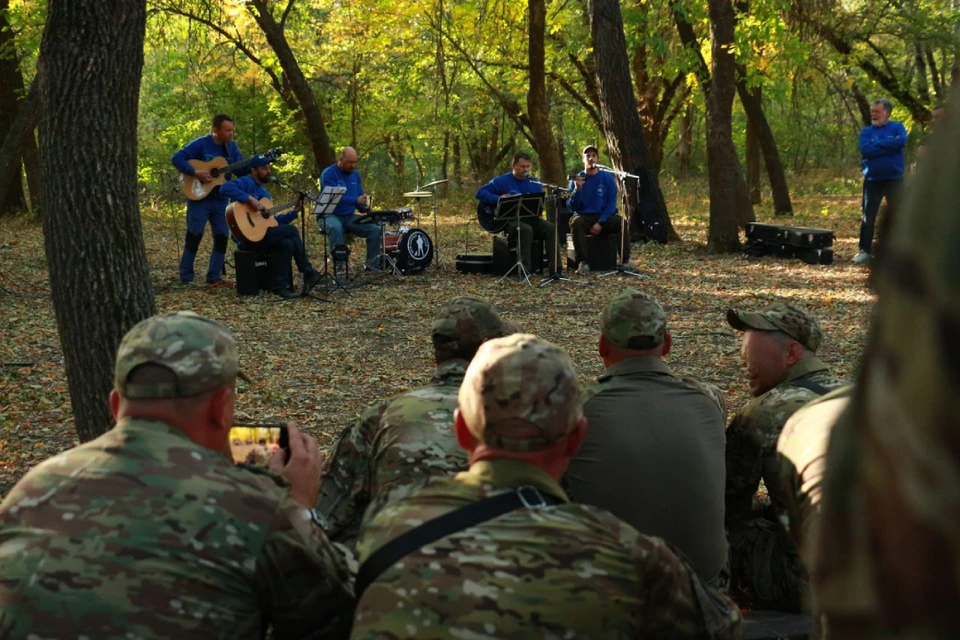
467 321
201 354
633 320
520 393
792 320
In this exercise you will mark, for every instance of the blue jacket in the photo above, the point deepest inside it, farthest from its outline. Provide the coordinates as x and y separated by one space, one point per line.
507 184
332 176
242 188
882 151
598 195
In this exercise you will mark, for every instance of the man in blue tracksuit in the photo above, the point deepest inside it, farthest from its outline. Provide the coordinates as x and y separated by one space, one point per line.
881 145
211 209
343 220
284 239
594 206
519 181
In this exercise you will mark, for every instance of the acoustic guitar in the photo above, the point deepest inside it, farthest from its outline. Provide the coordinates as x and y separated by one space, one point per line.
218 169
250 225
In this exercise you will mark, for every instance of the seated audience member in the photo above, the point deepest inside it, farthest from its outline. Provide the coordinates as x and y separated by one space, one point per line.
284 239
653 455
779 345
409 437
538 566
150 532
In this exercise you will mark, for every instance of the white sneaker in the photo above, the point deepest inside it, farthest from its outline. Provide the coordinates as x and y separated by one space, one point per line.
861 258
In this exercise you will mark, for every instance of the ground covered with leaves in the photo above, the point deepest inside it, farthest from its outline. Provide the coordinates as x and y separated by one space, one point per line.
321 363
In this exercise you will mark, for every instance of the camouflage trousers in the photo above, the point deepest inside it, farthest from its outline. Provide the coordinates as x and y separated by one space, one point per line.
765 568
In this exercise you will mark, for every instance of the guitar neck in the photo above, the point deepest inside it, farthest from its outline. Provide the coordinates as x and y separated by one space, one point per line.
282 207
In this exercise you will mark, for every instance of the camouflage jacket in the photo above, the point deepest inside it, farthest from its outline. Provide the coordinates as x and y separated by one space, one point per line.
400 441
561 571
142 533
752 438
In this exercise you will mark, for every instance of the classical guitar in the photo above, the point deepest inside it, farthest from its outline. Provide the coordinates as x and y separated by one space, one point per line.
218 169
250 225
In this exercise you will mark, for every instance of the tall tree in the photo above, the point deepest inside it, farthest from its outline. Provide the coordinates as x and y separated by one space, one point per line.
621 121
537 103
99 276
11 96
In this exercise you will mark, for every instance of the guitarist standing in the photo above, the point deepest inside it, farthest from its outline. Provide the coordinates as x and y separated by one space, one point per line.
518 181
284 239
210 209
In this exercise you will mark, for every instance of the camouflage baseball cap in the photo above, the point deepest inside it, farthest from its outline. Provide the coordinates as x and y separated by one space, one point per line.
201 354
793 321
520 393
633 320
466 320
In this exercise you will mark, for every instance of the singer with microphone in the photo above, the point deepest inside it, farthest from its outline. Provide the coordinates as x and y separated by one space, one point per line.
283 239
518 181
594 206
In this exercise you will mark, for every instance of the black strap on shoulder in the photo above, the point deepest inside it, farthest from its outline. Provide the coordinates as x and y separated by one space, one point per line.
445 525
810 385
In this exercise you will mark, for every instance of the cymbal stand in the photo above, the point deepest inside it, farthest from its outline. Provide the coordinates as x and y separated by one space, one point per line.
624 248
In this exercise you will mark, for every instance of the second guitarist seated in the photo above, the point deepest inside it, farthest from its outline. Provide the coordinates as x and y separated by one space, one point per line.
282 239
518 181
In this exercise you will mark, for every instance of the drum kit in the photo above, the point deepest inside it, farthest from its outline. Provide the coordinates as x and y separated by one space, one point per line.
407 250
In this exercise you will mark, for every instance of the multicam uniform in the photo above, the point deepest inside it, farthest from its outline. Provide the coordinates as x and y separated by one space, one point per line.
142 533
398 442
562 571
762 558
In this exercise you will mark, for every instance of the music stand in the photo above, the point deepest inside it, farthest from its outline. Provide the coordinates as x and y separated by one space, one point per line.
513 209
326 201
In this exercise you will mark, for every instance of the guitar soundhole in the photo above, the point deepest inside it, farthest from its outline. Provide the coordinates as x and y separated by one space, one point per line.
214 173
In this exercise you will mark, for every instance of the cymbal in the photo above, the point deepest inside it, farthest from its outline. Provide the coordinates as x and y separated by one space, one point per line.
418 194
435 182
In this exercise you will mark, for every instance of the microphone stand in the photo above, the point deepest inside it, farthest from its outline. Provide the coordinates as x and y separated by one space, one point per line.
624 266
305 195
555 275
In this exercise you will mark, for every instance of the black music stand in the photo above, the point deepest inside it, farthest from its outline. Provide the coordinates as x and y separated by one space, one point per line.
514 209
326 201
624 247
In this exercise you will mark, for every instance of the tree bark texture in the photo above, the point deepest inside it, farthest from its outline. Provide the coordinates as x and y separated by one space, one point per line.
752 156
89 76
17 139
685 143
551 168
621 121
723 165
11 97
312 116
751 99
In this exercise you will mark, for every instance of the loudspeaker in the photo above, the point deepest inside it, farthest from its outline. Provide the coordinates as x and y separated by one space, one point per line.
254 271
505 254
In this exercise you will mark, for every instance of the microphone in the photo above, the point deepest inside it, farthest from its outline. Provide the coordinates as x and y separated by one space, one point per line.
274 179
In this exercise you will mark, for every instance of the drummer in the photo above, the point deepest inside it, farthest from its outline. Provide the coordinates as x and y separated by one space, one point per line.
344 218
519 181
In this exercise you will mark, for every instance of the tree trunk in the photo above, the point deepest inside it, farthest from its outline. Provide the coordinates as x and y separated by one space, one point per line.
21 130
752 102
457 162
312 117
685 144
99 277
11 97
621 122
753 163
31 167
722 163
551 168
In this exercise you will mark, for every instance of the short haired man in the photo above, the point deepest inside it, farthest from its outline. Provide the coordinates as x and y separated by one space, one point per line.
150 530
344 218
594 206
408 438
779 349
219 143
881 146
519 181
543 567
653 455
284 239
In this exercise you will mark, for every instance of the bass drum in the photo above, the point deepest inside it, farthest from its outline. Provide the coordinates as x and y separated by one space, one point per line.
414 251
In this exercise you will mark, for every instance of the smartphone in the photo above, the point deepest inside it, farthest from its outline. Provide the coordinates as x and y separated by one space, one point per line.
256 443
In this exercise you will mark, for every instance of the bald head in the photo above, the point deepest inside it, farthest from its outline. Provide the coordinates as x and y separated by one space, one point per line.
347 160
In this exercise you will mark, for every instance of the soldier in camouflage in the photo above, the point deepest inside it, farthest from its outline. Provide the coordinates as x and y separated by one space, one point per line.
560 571
779 349
410 436
653 455
149 531
890 541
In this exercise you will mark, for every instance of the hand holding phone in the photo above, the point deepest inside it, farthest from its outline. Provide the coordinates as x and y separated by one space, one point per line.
301 468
